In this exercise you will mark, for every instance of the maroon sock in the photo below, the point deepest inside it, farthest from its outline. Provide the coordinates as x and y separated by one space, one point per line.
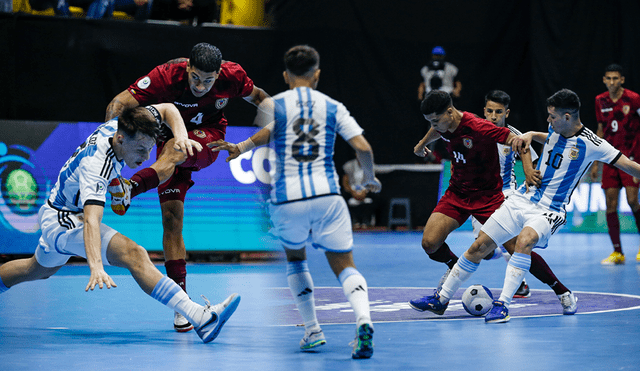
177 271
636 214
444 255
614 230
540 270
143 181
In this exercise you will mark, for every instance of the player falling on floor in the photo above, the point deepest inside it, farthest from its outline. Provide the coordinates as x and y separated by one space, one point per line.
618 116
71 219
200 87
496 110
305 195
534 213
475 188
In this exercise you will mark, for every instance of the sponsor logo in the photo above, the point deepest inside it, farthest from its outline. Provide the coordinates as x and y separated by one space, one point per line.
606 110
467 142
626 109
170 190
186 105
220 103
199 134
100 188
574 153
144 82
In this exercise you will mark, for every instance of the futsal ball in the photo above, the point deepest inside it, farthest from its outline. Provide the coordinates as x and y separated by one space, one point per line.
22 189
477 300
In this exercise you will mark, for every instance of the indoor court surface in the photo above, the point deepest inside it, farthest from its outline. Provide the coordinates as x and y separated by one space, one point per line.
55 325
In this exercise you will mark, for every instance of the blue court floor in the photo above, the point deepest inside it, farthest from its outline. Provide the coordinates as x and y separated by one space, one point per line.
55 325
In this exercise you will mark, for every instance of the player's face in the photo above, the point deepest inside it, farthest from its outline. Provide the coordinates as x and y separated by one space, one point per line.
613 81
560 121
201 82
136 149
441 123
496 113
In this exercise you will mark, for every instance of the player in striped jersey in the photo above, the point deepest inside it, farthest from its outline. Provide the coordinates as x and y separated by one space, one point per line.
533 214
71 220
305 194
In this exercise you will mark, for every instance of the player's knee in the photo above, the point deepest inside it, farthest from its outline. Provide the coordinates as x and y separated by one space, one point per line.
171 219
135 256
430 246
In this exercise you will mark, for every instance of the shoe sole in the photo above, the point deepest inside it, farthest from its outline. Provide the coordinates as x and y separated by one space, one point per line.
314 345
516 296
183 328
498 320
222 319
439 312
365 338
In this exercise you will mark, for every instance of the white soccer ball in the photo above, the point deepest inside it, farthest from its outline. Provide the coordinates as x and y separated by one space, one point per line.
477 300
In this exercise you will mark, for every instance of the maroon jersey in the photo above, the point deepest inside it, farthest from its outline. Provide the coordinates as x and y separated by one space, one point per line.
474 155
620 121
169 83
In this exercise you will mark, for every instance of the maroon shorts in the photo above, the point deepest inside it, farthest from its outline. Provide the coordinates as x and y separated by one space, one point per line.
480 205
612 177
176 187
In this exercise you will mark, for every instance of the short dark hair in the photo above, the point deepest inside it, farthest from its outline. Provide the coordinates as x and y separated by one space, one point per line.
205 57
498 96
565 100
302 60
436 101
613 67
138 120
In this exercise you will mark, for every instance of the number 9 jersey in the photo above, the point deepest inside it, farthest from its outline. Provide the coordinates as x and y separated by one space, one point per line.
306 123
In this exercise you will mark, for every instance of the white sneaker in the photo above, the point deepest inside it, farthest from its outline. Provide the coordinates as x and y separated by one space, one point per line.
210 327
312 339
442 279
569 303
180 323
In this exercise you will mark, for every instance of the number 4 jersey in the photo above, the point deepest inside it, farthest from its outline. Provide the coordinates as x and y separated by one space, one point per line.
304 135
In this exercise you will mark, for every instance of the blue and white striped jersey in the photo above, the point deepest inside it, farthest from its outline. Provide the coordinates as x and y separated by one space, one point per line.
508 163
304 136
86 175
563 163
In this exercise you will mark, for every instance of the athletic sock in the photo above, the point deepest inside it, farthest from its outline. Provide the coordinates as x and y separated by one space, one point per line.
613 223
170 294
636 215
460 272
444 255
177 271
301 286
3 288
540 270
516 269
143 181
355 289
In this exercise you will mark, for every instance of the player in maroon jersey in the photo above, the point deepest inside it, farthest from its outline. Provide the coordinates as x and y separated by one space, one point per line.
200 87
475 188
617 113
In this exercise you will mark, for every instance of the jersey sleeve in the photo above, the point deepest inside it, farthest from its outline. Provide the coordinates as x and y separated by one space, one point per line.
92 183
496 133
241 83
607 153
153 87
347 126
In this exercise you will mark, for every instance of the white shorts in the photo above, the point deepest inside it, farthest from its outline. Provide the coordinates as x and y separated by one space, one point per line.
62 237
518 212
325 218
475 224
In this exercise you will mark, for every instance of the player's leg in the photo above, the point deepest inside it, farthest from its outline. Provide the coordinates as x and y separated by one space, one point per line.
611 183
523 291
632 199
438 227
208 320
23 270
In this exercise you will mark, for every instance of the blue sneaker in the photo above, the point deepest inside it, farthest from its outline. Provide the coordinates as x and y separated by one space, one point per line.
431 303
498 314
220 313
363 343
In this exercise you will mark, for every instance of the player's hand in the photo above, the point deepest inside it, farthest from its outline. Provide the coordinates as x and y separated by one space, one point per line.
522 142
221 145
373 185
101 278
535 178
421 150
186 145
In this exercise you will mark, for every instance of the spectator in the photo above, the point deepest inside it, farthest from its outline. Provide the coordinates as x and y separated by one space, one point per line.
439 75
362 203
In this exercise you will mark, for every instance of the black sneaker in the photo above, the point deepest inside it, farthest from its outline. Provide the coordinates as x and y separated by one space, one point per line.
523 291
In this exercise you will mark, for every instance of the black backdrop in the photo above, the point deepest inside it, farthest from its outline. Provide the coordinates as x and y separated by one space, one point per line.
371 54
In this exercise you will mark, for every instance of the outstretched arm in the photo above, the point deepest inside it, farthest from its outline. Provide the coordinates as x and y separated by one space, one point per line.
258 139
119 103
364 153
257 96
522 142
93 247
630 167
171 116
421 149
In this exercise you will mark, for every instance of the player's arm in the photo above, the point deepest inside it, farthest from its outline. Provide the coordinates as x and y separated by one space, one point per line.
93 247
171 116
532 176
119 103
630 167
364 153
258 139
257 96
595 167
522 142
421 149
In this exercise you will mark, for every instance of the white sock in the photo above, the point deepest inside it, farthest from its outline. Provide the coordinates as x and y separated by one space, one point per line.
505 254
460 272
518 266
355 289
301 286
170 294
